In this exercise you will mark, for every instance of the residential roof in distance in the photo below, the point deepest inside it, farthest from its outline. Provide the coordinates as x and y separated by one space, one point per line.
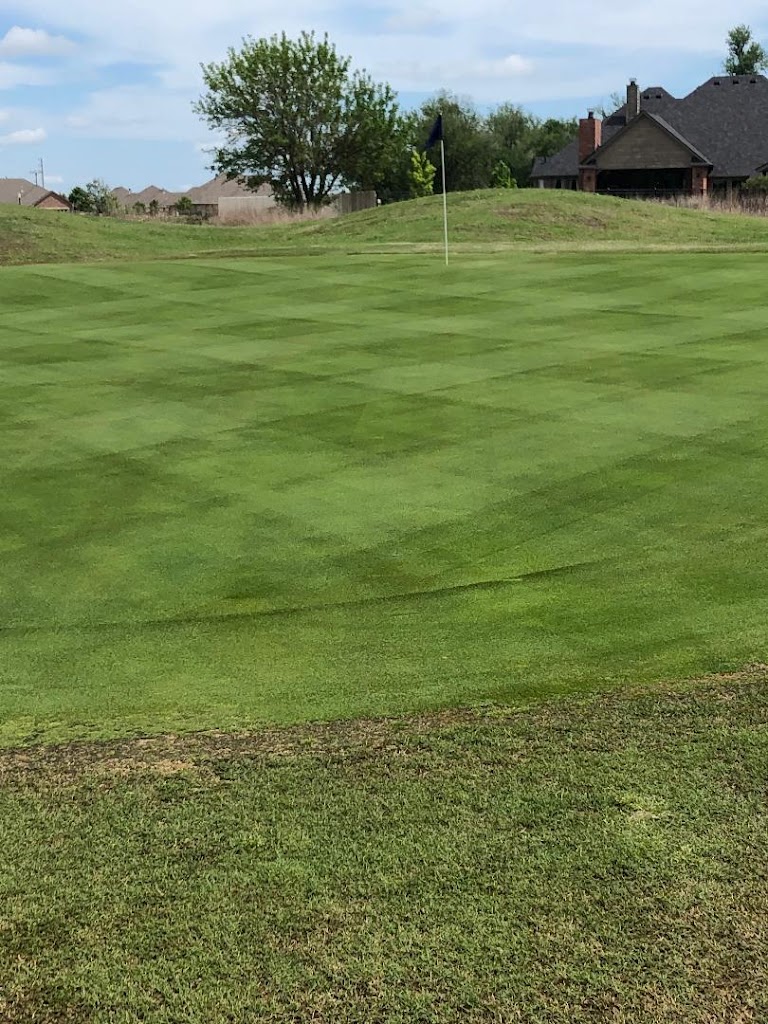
31 194
725 118
207 194
221 187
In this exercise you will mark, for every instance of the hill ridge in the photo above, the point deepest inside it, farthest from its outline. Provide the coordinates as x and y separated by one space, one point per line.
483 221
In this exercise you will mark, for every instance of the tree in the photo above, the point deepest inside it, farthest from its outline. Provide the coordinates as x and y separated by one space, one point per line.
139 209
80 200
502 176
421 175
614 102
101 199
512 134
295 116
745 55
154 208
183 206
468 151
554 133
393 181
517 137
757 185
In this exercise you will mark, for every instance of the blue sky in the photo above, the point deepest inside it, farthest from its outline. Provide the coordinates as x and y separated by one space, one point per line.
107 91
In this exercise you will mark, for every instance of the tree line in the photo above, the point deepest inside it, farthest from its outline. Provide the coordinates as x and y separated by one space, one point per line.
482 150
292 113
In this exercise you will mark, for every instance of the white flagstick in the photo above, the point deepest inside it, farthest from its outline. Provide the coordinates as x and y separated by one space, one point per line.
445 202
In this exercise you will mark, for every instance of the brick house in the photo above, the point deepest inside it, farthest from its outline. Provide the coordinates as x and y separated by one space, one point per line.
713 139
20 192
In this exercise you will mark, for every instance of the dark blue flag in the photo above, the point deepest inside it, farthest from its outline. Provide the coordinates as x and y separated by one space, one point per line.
436 135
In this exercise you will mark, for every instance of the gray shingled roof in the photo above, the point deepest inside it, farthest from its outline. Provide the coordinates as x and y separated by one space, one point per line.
31 194
725 118
564 164
221 188
202 195
146 196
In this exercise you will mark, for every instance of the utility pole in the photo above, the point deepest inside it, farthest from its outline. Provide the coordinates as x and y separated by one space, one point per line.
39 173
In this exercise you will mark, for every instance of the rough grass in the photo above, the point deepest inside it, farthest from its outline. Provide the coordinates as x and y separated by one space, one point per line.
493 218
292 489
599 860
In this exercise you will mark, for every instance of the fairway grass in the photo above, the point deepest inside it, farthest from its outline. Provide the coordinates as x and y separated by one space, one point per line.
587 861
288 490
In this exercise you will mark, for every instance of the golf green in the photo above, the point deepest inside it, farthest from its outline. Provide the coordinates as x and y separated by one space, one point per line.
281 490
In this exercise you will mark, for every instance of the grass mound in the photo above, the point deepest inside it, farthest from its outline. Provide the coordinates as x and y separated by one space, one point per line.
534 216
590 860
42 236
489 218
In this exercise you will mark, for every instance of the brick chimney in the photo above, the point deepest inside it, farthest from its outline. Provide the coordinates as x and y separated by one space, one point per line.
633 100
590 135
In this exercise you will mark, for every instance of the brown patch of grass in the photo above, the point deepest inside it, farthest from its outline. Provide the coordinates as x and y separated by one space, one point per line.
590 859
174 754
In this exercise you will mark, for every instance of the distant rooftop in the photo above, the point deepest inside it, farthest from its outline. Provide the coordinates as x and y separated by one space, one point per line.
207 194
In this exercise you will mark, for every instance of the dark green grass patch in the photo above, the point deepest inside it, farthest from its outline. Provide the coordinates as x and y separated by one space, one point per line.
369 486
590 860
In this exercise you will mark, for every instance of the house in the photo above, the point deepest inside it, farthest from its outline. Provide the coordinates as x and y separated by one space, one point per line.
711 140
206 199
131 201
230 201
20 192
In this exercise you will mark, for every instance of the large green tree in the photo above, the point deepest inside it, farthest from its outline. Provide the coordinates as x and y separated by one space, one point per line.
517 137
96 197
295 115
468 152
745 55
80 200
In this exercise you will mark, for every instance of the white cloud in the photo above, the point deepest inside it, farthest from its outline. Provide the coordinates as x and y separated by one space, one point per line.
24 137
33 42
515 65
415 20
679 25
491 50
5 115
135 112
477 77
13 76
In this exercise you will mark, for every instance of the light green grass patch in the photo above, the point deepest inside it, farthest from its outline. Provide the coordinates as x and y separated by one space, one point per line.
283 490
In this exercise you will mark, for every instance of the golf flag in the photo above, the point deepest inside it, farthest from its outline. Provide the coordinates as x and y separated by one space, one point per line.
436 135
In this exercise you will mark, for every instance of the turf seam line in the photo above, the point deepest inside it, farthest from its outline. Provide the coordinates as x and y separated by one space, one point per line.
191 620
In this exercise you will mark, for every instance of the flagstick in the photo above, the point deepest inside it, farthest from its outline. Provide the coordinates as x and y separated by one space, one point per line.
445 201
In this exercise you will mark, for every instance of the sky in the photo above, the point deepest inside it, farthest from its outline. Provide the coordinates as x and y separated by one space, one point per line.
106 91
